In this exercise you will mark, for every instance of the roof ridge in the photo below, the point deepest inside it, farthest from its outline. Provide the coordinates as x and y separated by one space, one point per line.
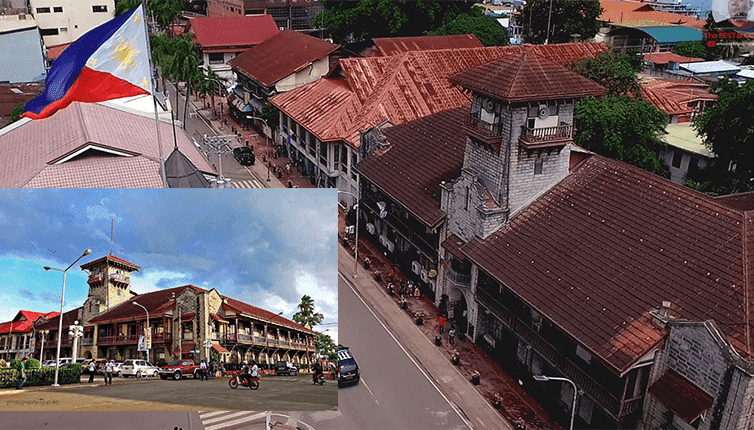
746 286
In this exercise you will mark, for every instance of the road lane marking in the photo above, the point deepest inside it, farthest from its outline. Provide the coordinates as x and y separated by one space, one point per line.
370 391
426 375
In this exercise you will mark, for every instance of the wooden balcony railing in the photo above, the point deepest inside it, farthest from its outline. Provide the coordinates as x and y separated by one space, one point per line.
118 340
601 395
244 338
546 136
481 128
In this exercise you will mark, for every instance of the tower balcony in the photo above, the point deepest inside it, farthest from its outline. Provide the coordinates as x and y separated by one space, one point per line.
533 138
484 131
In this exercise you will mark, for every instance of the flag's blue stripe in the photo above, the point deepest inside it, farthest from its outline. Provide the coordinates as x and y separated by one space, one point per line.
66 68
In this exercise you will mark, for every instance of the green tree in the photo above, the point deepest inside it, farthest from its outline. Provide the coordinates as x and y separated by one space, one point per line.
727 129
16 113
350 21
306 315
485 28
209 82
617 72
164 11
271 114
179 62
570 19
326 347
696 49
622 128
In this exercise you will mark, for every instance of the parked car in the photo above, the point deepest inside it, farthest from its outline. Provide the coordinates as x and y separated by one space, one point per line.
285 368
348 370
116 369
177 369
244 156
138 368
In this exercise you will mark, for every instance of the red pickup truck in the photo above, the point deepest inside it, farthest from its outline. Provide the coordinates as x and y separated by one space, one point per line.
177 369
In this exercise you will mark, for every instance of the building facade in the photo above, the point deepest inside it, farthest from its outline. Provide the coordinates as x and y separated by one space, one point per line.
17 335
296 14
64 21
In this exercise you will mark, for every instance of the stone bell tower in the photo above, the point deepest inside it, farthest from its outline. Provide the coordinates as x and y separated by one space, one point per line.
518 131
109 284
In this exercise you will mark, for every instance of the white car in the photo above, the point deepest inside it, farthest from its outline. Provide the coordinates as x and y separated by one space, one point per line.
138 368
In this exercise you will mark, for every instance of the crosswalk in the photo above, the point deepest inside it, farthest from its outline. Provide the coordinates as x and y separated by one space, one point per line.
248 420
251 183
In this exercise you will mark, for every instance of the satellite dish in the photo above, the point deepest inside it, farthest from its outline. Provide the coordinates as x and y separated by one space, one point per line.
544 112
489 105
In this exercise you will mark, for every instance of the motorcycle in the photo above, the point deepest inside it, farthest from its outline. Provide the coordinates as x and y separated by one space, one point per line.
236 380
319 379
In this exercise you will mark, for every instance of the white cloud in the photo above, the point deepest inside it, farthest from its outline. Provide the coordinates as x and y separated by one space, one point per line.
95 212
154 280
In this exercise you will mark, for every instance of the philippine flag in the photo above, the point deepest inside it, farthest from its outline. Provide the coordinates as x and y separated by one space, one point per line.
109 62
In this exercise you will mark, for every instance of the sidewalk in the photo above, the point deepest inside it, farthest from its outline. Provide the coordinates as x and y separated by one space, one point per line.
476 401
267 165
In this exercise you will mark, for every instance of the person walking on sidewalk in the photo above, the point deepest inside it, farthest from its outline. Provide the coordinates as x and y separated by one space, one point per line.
441 323
109 366
22 379
452 335
203 370
92 370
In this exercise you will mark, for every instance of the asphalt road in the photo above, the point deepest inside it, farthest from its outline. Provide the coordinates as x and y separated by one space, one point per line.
288 393
100 421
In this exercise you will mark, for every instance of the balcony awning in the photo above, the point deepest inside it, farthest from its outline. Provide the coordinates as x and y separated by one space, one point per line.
681 395
187 317
186 348
453 245
238 103
219 349
218 318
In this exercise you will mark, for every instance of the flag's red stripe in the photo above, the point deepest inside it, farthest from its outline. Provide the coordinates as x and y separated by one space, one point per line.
90 87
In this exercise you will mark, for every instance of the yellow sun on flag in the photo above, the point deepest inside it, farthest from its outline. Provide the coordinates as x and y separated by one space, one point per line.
144 83
125 54
137 18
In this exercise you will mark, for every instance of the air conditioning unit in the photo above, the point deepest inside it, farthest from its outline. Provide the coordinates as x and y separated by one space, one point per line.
543 112
432 284
370 228
488 105
390 246
415 267
424 276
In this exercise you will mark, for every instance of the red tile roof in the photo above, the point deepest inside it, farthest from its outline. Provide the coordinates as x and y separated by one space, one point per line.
110 259
526 76
245 308
281 55
630 11
673 96
24 321
360 93
681 395
41 149
667 57
422 153
741 202
625 241
388 46
69 318
54 52
232 31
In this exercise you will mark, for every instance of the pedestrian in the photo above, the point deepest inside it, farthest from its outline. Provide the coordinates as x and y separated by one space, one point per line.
417 293
109 366
22 379
452 335
222 369
203 369
92 370
441 323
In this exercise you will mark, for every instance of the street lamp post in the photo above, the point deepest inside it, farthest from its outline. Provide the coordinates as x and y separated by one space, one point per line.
148 340
356 247
60 317
76 331
543 378
44 334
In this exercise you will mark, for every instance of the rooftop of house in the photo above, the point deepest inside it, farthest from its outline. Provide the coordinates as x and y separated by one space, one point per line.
675 97
703 67
360 93
111 259
667 57
90 146
281 55
232 31
387 46
626 12
421 154
69 318
624 242
684 136
24 321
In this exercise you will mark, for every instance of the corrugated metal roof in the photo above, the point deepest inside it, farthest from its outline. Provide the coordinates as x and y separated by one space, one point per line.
235 31
360 93
673 34
718 66
625 241
281 55
74 148
388 46
684 136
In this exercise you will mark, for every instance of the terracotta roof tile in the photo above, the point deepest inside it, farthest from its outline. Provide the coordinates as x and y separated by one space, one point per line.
681 395
111 259
54 52
422 153
92 131
281 55
69 318
624 241
631 11
526 76
254 311
666 57
232 31
360 93
673 96
388 46
25 325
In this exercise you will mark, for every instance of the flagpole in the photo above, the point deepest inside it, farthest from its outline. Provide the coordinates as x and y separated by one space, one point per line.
154 99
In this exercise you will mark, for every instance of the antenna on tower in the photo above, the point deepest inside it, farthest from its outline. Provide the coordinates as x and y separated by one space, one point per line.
111 235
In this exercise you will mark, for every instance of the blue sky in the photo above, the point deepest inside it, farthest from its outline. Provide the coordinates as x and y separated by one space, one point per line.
265 247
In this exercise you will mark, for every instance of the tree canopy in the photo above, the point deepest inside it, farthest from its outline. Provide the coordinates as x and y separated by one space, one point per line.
164 11
326 347
306 315
623 128
351 21
570 19
617 72
727 129
485 28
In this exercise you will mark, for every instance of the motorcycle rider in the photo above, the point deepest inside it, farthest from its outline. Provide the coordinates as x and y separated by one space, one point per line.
245 372
317 371
254 369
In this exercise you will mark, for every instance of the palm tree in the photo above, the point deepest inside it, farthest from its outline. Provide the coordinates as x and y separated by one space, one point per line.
182 65
209 82
306 315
